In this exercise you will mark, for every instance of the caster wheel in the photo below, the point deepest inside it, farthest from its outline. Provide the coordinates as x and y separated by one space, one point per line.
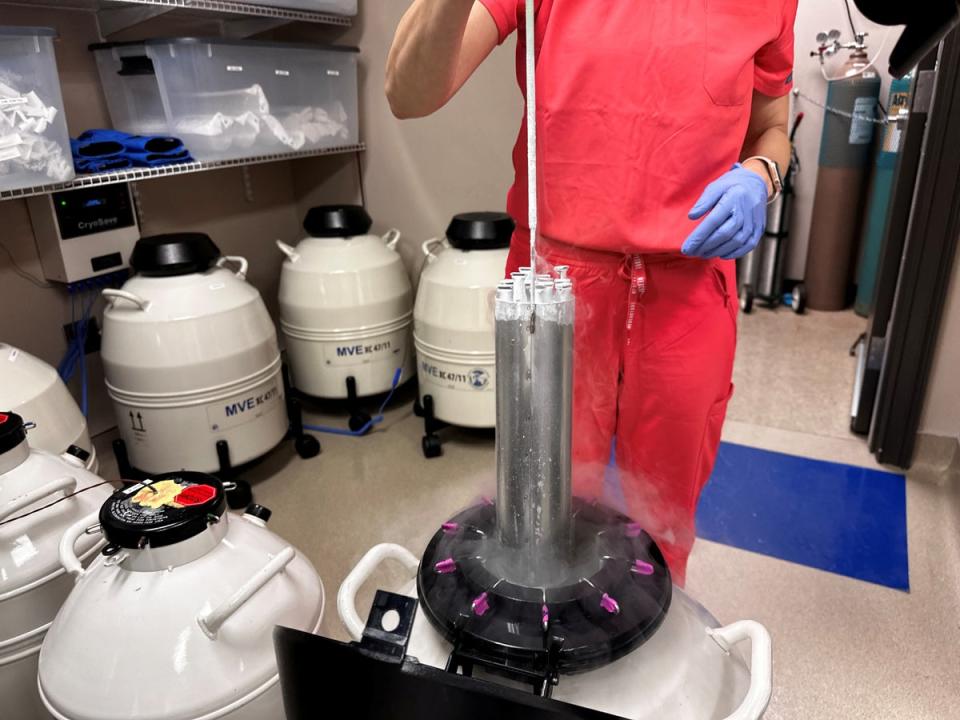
746 299
431 446
307 446
417 408
358 422
241 496
799 296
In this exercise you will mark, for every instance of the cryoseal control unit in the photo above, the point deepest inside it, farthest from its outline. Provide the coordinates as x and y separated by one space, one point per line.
453 324
346 307
41 495
192 363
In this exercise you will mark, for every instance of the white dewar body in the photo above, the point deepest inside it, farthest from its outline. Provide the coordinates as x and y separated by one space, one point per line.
346 308
181 632
190 360
454 332
32 389
33 584
690 669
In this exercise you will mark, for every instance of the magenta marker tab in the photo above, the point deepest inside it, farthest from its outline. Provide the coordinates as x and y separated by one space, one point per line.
610 605
450 527
480 605
633 530
642 568
446 566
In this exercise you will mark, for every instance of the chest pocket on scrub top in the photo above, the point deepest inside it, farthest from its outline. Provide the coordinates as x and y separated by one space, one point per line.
734 31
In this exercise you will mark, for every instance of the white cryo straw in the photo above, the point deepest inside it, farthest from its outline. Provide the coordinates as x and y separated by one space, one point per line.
532 131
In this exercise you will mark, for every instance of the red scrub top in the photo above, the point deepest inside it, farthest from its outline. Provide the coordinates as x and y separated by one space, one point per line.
641 103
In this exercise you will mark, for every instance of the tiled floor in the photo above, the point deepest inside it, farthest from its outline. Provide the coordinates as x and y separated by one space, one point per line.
843 649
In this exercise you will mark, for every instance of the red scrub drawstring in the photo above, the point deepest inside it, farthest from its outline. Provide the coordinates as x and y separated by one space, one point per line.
638 286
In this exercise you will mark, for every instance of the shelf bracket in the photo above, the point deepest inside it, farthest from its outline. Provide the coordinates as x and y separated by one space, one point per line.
114 19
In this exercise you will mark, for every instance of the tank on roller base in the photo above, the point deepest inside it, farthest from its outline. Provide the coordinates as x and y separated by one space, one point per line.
33 390
192 363
173 621
454 324
41 495
346 307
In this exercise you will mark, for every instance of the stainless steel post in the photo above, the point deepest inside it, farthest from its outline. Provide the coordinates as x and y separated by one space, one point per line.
534 350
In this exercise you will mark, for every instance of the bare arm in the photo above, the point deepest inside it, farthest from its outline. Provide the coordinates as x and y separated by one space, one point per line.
767 134
437 47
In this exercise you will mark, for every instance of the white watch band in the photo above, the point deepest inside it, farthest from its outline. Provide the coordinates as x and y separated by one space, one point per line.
773 172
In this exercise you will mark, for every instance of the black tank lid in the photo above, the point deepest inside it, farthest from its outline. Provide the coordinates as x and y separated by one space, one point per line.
162 510
480 231
327 221
12 431
174 254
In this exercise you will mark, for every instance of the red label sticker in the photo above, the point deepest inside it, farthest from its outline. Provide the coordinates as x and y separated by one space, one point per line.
3 418
195 495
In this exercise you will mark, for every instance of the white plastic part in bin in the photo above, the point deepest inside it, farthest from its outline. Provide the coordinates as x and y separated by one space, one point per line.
34 144
229 99
335 7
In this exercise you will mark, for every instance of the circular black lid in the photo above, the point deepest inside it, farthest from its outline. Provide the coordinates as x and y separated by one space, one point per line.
12 431
337 221
174 254
480 231
162 510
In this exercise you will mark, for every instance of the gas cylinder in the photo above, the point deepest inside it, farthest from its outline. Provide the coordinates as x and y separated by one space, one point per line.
845 147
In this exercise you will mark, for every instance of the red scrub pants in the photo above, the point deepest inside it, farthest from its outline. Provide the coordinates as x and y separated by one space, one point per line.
654 343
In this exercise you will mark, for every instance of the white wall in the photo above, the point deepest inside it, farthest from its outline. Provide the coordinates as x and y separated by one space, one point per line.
814 16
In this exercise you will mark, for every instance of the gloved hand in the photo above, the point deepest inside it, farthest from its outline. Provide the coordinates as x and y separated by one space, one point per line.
738 200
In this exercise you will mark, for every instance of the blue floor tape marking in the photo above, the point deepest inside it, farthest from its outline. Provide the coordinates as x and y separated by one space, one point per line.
843 519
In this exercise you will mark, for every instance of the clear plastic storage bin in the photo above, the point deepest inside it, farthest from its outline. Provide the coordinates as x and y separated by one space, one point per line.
34 143
335 7
232 99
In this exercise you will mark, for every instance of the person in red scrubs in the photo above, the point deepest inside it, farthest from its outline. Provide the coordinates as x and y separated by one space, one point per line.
662 131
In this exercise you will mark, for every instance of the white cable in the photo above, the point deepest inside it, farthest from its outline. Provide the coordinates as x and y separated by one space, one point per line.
532 131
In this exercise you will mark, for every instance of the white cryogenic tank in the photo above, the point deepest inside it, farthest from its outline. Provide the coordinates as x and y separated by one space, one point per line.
454 322
191 359
33 390
174 620
346 306
33 585
690 669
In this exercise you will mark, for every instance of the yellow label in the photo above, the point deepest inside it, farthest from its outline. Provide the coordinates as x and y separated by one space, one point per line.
159 495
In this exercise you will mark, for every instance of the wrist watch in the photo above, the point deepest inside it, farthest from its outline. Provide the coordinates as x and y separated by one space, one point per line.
773 170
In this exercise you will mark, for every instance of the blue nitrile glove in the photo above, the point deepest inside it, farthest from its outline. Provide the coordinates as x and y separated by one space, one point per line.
737 202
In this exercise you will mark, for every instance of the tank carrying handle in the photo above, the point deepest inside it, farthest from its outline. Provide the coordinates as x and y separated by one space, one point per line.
212 620
68 553
347 596
427 248
391 238
113 295
241 261
755 702
66 484
292 254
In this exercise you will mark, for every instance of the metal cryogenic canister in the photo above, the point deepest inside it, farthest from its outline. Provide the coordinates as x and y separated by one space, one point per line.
534 339
841 183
